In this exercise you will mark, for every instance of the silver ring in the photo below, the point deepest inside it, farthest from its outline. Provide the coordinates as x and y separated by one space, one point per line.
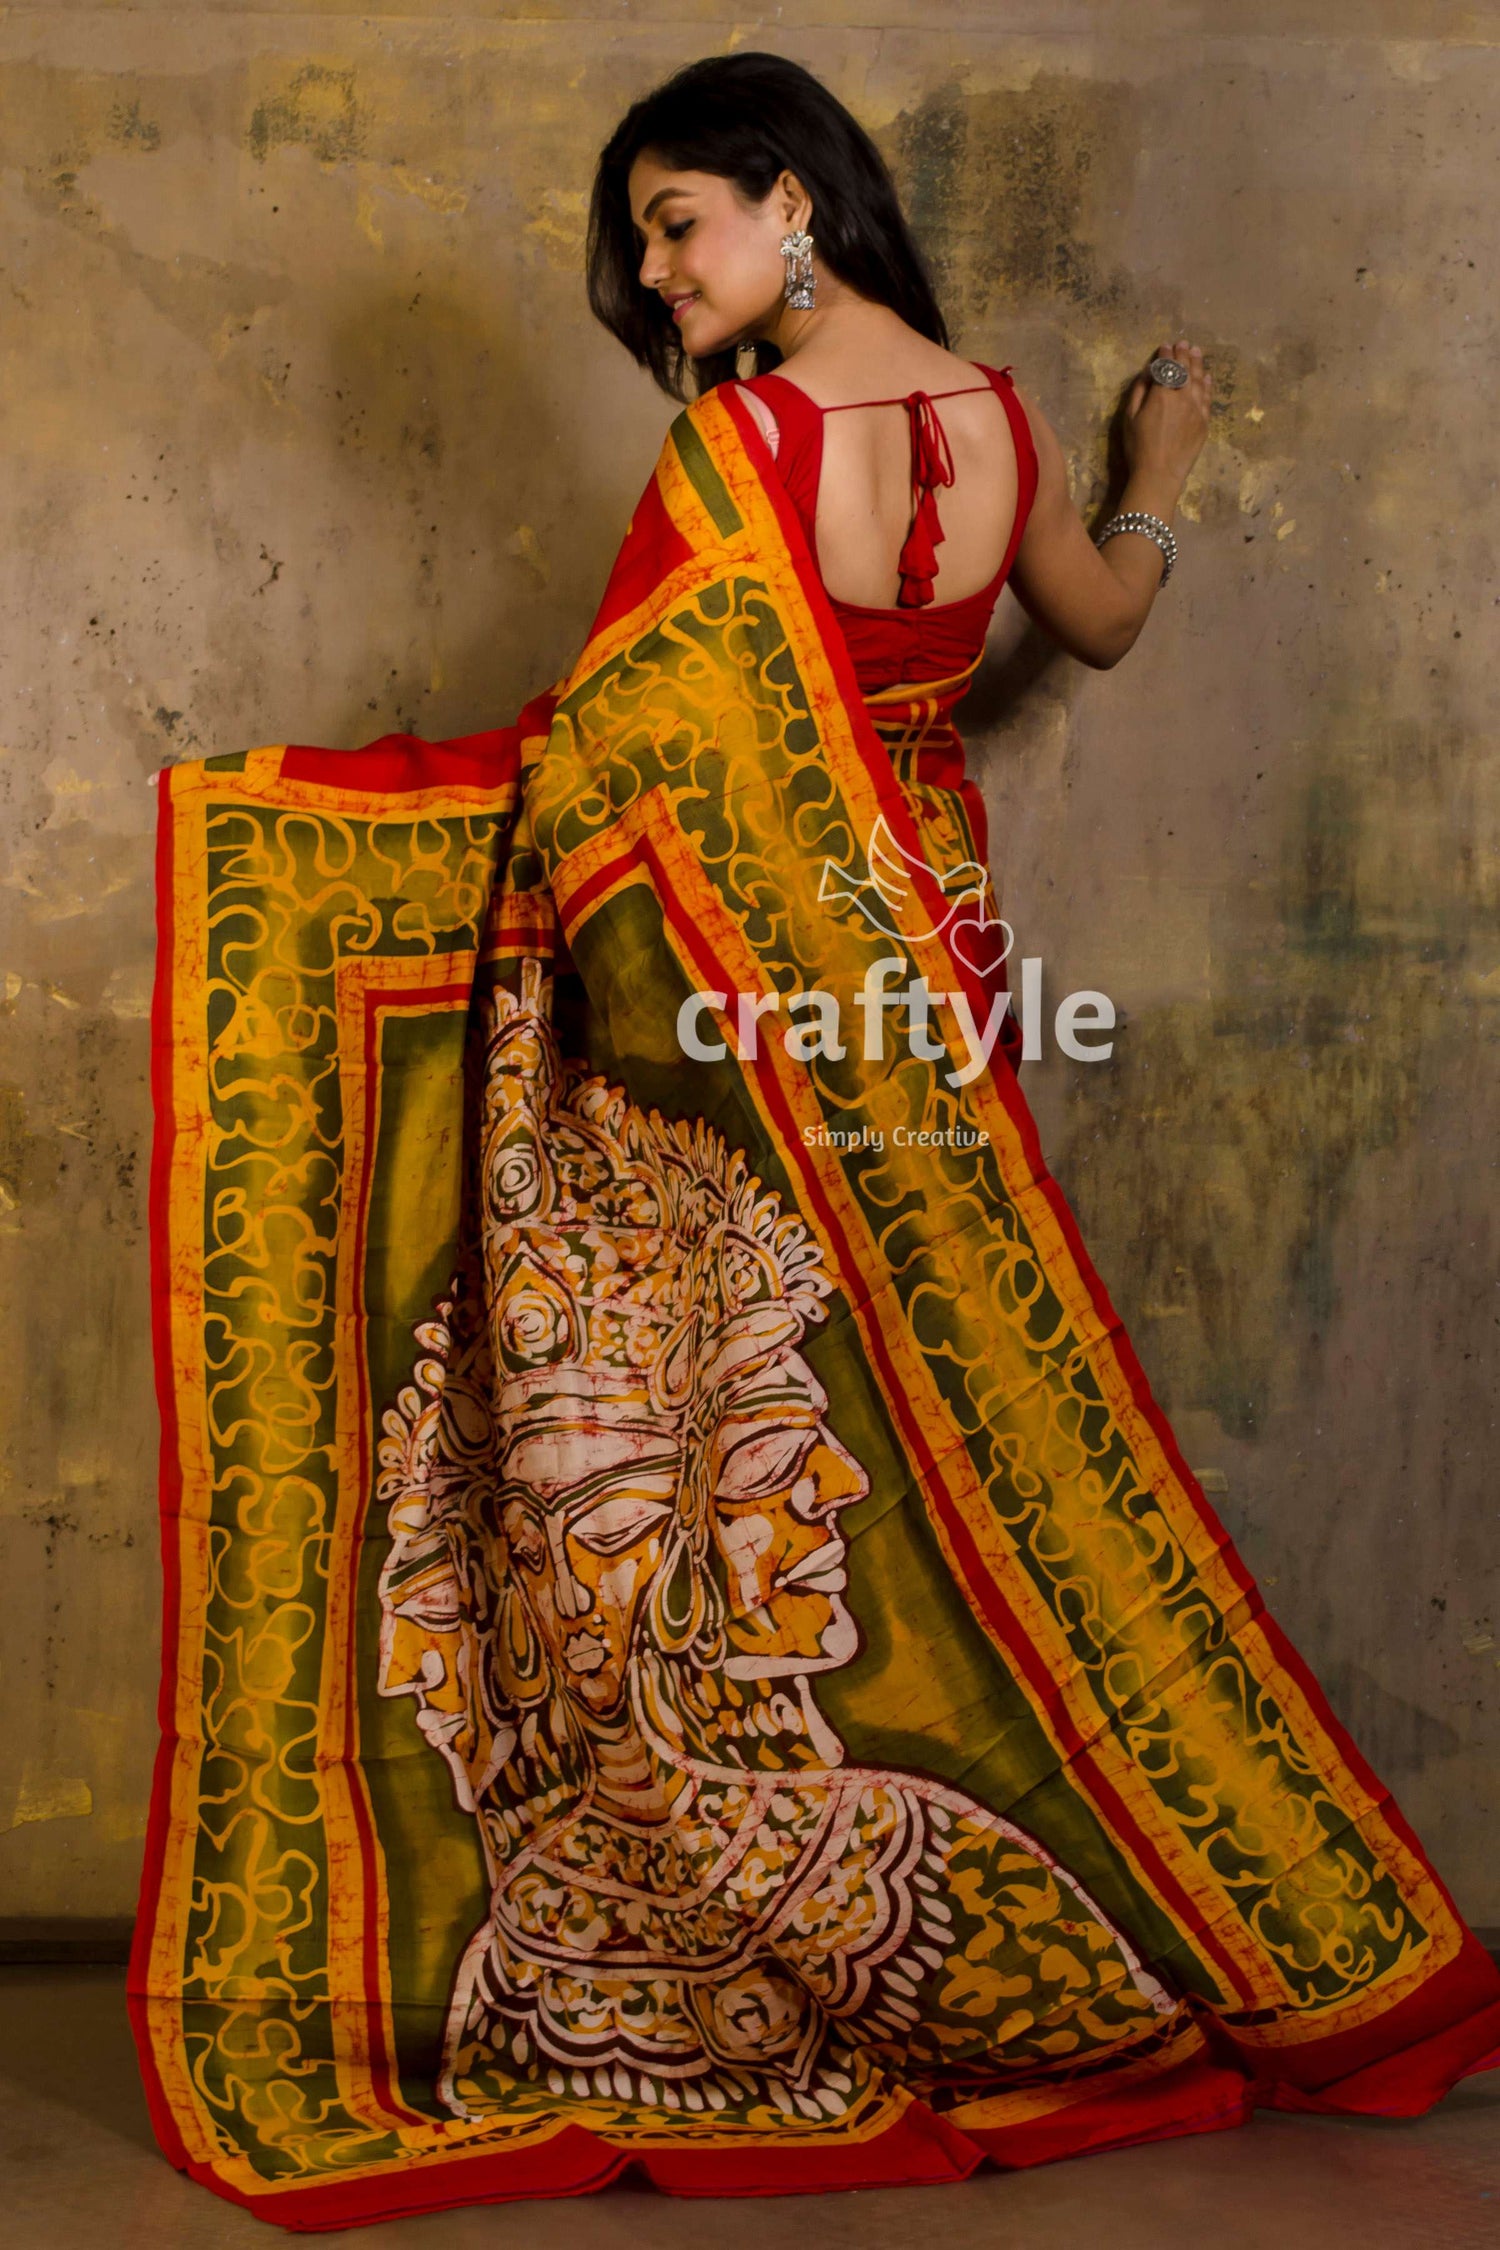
1170 372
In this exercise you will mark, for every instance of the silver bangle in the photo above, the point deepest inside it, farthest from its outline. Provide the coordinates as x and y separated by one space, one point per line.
1152 527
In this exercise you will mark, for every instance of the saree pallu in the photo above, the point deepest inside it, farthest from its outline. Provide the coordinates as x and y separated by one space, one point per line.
689 1644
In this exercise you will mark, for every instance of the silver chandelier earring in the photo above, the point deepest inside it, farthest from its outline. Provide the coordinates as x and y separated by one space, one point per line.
801 282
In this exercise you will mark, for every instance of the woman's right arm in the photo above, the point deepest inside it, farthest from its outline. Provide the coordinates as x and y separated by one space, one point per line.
1092 600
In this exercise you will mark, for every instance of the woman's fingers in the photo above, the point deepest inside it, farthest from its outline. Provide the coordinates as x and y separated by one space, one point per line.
1191 357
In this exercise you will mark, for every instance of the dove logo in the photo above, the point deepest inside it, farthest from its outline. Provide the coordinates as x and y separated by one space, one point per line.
885 894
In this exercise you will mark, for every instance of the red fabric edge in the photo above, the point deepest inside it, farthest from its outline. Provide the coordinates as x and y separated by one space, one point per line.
651 549
572 2162
402 764
918 2150
1196 2098
169 1473
1409 2079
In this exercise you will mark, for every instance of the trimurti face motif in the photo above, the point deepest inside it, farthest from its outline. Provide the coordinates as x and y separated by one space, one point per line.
778 1477
617 1570
587 1493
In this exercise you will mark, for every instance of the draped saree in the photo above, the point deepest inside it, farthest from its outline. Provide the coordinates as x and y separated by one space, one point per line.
688 1642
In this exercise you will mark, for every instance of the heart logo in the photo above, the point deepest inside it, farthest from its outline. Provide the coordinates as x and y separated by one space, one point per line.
981 940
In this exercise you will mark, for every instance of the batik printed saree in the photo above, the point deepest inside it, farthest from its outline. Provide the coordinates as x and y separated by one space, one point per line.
689 1643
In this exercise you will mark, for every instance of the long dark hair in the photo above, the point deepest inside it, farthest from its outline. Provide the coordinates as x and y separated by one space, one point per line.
748 118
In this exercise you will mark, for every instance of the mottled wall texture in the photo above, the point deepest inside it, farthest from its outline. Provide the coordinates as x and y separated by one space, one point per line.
309 436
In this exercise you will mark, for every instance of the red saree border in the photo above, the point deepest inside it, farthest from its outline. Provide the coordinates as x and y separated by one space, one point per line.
169 1475
571 2162
1199 2097
918 2150
405 765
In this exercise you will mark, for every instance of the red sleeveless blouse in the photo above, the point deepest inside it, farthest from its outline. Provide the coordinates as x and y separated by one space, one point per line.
921 638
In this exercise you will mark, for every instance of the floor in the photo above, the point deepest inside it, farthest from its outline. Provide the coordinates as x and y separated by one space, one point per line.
78 2166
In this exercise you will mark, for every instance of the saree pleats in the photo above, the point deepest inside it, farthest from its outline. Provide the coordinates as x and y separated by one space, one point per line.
689 1643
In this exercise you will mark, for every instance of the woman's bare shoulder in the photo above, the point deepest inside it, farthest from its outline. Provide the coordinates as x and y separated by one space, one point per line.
1031 407
1051 462
770 428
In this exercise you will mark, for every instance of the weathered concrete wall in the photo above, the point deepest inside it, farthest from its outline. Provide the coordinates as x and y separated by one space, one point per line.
309 435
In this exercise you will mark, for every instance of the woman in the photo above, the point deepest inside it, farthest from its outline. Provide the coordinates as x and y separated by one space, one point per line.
689 1641
695 205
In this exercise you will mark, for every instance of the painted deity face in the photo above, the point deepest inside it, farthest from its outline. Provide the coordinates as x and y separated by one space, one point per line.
779 1477
427 1651
421 1641
588 1493
715 258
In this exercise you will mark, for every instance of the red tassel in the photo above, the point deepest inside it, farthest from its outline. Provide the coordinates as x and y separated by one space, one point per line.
931 465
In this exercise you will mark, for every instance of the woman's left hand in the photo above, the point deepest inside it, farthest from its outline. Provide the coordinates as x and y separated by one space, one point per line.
1165 428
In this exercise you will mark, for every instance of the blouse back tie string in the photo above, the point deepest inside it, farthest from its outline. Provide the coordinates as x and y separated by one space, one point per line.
931 466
